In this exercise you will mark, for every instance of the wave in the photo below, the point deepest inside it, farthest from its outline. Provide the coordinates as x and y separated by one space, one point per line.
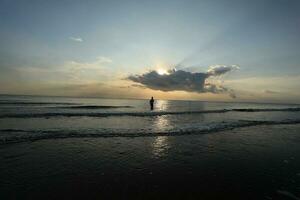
25 103
140 114
93 107
20 135
134 114
266 109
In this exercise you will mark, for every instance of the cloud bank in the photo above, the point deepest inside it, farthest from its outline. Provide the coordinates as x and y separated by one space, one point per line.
179 80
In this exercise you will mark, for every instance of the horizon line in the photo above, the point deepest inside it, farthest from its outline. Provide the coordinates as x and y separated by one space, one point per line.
134 98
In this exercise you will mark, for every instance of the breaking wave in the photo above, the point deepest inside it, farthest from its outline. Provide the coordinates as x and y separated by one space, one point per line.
19 135
93 107
24 103
138 114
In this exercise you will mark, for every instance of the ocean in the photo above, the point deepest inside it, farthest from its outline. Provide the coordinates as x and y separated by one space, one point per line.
69 148
27 118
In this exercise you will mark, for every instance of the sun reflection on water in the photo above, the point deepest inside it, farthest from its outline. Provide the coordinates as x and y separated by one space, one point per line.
160 146
161 123
161 105
161 143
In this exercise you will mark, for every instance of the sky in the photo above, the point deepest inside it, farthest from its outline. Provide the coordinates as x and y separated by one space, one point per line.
212 50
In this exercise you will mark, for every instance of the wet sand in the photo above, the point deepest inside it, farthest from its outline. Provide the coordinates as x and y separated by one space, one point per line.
261 162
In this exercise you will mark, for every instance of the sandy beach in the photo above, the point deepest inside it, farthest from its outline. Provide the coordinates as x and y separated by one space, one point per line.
259 162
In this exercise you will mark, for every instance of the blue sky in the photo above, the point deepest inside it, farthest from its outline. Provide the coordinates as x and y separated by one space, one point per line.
88 48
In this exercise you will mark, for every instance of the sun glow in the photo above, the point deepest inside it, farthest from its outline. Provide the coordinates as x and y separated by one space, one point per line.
162 71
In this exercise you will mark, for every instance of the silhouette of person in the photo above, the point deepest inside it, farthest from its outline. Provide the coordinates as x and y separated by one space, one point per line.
151 103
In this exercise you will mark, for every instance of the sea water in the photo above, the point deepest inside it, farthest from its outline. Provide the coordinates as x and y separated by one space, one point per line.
90 148
27 118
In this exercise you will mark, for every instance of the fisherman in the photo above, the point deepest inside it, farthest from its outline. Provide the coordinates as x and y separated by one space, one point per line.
151 103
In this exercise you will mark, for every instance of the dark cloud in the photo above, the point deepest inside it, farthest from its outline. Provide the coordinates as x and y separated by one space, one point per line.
208 87
174 80
179 80
232 94
138 86
218 70
271 92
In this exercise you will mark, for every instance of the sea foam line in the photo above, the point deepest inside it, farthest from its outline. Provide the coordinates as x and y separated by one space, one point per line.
33 135
141 114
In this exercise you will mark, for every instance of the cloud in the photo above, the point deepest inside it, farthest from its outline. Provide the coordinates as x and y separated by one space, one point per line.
100 61
175 80
217 70
271 92
138 86
76 39
88 70
180 80
71 71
